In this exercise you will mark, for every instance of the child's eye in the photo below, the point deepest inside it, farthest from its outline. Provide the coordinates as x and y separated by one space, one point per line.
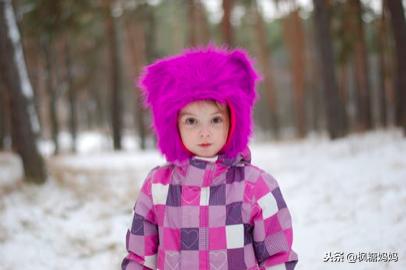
217 120
190 121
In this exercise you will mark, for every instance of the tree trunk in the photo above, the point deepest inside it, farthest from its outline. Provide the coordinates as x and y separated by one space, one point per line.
3 118
389 67
150 44
336 122
343 81
264 58
313 87
227 28
364 119
100 107
73 125
49 55
191 16
398 22
198 31
136 44
294 40
113 36
13 73
150 35
383 68
33 62
176 22
202 23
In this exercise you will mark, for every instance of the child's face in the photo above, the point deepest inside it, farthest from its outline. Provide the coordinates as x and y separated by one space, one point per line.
203 127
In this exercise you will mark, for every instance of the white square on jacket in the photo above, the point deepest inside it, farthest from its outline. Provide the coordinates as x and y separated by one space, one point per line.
235 235
277 267
204 195
150 261
268 205
159 193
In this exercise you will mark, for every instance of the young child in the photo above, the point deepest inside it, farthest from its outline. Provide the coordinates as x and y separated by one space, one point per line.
208 207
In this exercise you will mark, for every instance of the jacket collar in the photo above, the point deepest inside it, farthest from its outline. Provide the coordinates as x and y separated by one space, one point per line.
244 157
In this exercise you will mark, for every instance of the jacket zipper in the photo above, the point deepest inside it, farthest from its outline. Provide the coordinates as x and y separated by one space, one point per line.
210 175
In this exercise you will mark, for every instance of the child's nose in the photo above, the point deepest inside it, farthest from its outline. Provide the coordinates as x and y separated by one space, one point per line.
205 132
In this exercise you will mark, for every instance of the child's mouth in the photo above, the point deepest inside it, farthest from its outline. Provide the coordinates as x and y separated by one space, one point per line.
205 145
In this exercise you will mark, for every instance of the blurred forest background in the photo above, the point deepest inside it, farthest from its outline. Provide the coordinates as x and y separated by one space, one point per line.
330 67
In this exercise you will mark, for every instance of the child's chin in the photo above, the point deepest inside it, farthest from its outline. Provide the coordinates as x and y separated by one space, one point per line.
206 153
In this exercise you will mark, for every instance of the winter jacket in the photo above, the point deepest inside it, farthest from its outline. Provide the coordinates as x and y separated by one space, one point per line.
197 214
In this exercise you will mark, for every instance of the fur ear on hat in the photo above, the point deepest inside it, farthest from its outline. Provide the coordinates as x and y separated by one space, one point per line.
209 73
155 79
244 68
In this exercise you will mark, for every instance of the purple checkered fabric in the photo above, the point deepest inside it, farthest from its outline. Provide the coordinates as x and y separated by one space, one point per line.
199 214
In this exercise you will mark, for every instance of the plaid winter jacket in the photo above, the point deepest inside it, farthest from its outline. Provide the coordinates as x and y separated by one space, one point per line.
198 214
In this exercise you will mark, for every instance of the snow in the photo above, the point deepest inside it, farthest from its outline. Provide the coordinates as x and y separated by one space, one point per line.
345 196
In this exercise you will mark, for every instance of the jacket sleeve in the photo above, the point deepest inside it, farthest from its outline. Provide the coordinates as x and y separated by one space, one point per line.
142 237
272 231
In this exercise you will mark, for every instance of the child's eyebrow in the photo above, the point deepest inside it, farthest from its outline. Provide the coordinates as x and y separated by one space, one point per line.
216 112
189 113
186 113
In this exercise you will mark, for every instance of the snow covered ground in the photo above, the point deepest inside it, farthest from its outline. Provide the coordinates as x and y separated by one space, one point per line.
345 196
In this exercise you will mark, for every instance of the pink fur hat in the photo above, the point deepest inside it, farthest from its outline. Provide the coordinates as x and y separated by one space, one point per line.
209 73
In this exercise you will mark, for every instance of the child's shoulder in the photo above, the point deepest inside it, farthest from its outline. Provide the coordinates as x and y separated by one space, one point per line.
258 176
160 174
